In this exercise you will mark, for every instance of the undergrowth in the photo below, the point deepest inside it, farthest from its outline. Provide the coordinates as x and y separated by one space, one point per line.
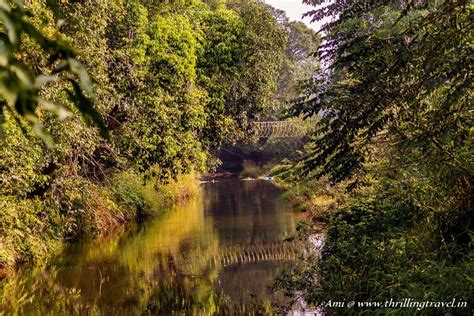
251 170
379 247
32 229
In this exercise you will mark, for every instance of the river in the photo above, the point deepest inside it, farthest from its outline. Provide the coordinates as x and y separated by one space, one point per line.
215 254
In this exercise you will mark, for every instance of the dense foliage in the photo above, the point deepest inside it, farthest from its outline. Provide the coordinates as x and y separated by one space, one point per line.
396 127
169 82
397 70
20 86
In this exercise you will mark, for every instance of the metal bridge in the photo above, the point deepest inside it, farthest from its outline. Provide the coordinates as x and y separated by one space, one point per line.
278 129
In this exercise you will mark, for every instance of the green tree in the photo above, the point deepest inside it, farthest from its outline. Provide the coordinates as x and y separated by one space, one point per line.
170 106
396 71
20 84
242 52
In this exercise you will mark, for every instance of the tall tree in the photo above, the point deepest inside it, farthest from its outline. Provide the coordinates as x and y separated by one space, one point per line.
397 69
242 53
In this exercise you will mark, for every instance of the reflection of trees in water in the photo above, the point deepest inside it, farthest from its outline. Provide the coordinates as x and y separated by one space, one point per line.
247 211
179 295
168 299
165 265
244 254
122 273
244 282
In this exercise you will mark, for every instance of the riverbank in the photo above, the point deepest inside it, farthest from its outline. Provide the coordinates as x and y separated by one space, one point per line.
378 246
33 229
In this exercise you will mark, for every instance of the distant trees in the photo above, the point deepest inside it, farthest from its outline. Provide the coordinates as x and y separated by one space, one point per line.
246 38
300 63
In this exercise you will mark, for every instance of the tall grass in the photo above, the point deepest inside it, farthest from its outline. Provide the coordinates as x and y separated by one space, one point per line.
251 170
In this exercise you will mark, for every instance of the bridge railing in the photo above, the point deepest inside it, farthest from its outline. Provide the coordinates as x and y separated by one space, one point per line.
279 129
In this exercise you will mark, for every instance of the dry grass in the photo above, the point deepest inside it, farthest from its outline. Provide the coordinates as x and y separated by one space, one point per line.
251 170
320 206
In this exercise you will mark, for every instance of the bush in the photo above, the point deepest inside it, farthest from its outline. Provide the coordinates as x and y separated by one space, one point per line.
378 248
29 230
251 170
149 197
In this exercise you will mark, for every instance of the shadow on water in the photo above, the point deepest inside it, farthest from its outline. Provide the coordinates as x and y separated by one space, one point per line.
216 254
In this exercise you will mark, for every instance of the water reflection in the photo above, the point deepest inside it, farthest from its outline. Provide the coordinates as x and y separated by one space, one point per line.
217 253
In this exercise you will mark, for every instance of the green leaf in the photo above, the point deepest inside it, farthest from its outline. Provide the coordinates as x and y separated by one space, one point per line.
79 69
53 6
84 105
5 53
9 26
24 74
39 130
42 80
60 111
469 278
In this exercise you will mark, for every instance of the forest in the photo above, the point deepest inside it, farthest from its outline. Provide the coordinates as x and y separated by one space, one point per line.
99 95
112 111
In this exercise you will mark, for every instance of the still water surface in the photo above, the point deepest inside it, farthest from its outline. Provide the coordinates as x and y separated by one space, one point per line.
216 254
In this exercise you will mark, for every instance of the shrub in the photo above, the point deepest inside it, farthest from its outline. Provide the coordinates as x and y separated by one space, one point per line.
29 230
251 170
378 248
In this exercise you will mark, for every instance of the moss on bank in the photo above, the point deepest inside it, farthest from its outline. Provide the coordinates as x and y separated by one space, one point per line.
32 229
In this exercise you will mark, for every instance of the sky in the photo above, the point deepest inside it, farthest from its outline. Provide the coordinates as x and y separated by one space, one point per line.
294 10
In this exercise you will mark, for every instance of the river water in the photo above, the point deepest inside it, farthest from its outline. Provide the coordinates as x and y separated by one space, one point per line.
215 254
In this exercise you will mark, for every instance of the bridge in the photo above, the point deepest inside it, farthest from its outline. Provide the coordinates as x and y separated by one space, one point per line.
279 129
